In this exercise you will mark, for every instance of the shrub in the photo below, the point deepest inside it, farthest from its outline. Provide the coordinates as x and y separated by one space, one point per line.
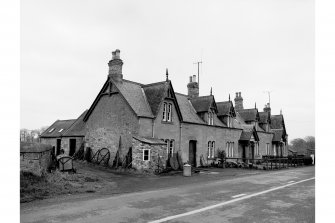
308 161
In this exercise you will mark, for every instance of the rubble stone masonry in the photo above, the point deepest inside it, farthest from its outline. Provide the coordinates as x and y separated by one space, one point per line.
111 119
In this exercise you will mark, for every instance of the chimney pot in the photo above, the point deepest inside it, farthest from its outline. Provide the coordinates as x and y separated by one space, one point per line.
238 101
115 66
193 88
117 54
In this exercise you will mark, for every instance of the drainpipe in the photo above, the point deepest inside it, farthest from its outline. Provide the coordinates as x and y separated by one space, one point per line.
153 129
180 128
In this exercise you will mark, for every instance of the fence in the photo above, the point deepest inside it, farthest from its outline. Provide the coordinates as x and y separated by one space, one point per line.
266 162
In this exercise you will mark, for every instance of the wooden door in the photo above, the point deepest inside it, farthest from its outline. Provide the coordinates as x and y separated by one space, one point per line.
244 153
72 147
193 153
58 147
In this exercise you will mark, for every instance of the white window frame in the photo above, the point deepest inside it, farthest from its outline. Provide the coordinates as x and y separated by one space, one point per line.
164 111
167 141
169 113
171 146
209 145
232 149
227 149
210 118
148 154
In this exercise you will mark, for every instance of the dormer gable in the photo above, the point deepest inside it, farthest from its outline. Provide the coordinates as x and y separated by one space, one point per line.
157 93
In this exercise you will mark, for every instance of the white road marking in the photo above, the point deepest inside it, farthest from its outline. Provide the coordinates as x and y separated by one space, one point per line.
238 195
227 202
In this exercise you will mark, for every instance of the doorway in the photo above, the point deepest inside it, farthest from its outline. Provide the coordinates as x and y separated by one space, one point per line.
58 147
193 153
252 150
72 147
244 153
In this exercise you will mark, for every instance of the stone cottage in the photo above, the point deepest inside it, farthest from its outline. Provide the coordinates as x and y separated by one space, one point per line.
195 126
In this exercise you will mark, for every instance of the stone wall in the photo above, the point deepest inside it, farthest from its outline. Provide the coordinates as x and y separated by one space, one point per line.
65 143
168 130
264 138
146 127
155 151
111 119
35 162
202 134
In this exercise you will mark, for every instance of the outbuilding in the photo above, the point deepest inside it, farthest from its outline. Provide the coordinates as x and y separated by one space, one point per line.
35 157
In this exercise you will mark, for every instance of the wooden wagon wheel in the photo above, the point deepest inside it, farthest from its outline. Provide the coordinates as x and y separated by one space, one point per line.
103 156
174 162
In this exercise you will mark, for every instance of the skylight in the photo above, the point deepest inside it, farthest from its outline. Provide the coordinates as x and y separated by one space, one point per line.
60 130
51 129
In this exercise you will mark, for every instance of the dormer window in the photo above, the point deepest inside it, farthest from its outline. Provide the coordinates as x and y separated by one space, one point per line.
210 118
164 112
169 116
167 112
229 121
51 130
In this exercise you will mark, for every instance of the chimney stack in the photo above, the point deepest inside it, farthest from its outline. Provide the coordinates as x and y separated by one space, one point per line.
193 88
267 108
238 101
115 67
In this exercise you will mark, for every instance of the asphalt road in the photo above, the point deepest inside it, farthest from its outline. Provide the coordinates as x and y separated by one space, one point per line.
275 196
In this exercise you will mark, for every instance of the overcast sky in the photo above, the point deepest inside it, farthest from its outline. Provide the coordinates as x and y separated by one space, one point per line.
247 46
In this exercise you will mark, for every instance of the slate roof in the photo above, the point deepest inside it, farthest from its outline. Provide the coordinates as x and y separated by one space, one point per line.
187 110
247 132
57 126
203 103
78 127
224 107
155 93
277 122
278 134
135 96
264 117
149 140
249 114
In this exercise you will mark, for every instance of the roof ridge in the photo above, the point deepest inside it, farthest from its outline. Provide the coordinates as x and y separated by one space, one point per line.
248 109
133 82
181 94
66 120
223 102
156 83
203 96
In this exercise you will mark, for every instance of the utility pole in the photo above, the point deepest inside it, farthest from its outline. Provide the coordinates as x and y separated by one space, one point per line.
198 62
